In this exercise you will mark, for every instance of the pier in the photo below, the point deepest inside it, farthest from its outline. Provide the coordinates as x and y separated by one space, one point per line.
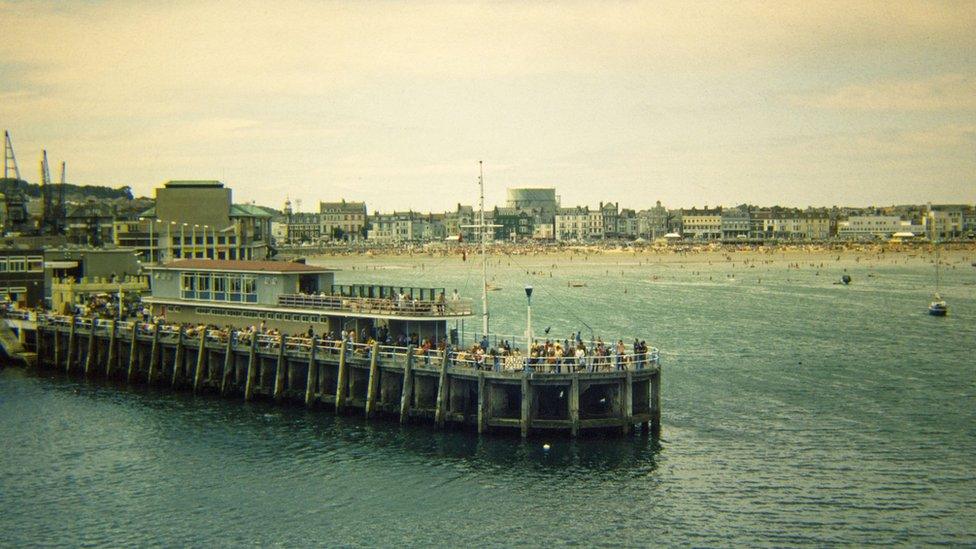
607 394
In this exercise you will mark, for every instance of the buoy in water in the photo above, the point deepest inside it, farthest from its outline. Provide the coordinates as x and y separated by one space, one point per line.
545 447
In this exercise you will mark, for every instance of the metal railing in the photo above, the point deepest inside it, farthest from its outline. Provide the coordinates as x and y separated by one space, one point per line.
555 364
458 358
381 306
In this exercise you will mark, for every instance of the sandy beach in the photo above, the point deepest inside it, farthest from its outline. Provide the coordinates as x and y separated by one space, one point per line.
956 254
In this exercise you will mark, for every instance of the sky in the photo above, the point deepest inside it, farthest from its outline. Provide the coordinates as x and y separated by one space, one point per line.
395 103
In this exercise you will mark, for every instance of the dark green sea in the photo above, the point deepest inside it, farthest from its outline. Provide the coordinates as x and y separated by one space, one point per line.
796 411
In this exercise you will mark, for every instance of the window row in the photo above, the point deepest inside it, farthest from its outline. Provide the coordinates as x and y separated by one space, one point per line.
266 315
21 264
241 288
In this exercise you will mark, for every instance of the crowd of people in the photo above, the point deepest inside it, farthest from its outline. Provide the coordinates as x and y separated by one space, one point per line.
552 356
549 356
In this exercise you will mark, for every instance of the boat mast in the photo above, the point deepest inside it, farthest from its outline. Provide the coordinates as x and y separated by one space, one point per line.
484 257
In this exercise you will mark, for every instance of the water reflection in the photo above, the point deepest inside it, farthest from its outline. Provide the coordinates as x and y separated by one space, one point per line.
312 434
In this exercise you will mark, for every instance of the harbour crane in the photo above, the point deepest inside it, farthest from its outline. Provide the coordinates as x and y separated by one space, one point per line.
9 160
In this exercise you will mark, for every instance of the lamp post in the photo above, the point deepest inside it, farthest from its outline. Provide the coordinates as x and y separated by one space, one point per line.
528 317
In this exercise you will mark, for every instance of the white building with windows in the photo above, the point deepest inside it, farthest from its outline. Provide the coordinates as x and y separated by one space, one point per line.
875 226
574 223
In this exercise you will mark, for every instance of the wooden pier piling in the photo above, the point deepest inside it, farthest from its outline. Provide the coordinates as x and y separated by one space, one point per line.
280 365
91 354
154 353
525 422
374 379
313 379
342 384
627 402
656 404
442 388
482 403
201 361
446 393
228 364
113 351
574 405
252 369
178 358
57 348
133 353
71 345
406 397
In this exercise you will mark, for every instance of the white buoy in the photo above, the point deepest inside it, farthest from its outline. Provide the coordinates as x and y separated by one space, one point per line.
545 447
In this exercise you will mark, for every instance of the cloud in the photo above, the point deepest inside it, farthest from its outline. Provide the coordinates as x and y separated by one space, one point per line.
945 92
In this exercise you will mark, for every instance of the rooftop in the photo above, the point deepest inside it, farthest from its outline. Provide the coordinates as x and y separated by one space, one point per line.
248 210
194 183
242 266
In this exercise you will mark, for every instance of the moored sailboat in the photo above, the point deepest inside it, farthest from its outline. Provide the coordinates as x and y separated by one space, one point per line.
938 306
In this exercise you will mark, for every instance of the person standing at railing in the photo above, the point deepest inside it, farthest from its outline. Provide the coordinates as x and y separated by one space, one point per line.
580 355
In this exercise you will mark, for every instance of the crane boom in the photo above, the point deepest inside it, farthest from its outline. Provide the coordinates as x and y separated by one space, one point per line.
9 159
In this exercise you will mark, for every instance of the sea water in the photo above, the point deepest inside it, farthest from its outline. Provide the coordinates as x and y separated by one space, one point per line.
796 410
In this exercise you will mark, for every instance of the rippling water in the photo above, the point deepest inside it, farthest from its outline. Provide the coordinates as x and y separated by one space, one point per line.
796 411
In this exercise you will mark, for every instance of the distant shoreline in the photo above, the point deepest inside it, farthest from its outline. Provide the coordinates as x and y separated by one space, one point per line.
958 251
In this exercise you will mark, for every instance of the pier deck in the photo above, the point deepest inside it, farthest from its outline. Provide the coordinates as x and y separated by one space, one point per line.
444 388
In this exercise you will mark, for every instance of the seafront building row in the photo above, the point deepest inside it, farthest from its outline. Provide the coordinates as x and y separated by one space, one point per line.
608 221
199 219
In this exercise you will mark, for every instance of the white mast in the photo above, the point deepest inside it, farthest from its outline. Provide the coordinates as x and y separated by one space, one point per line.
483 227
484 257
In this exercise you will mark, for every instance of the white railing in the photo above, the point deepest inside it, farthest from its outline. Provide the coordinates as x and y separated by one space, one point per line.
457 358
555 364
370 305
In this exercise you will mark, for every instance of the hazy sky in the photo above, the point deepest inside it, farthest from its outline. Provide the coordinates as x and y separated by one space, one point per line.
394 103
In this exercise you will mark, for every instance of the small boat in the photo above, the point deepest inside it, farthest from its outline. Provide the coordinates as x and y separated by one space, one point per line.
938 306
576 284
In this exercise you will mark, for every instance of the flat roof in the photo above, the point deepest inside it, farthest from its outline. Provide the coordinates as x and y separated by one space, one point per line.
193 183
241 266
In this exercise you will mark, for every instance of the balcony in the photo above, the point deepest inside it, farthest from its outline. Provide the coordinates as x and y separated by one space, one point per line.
378 306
